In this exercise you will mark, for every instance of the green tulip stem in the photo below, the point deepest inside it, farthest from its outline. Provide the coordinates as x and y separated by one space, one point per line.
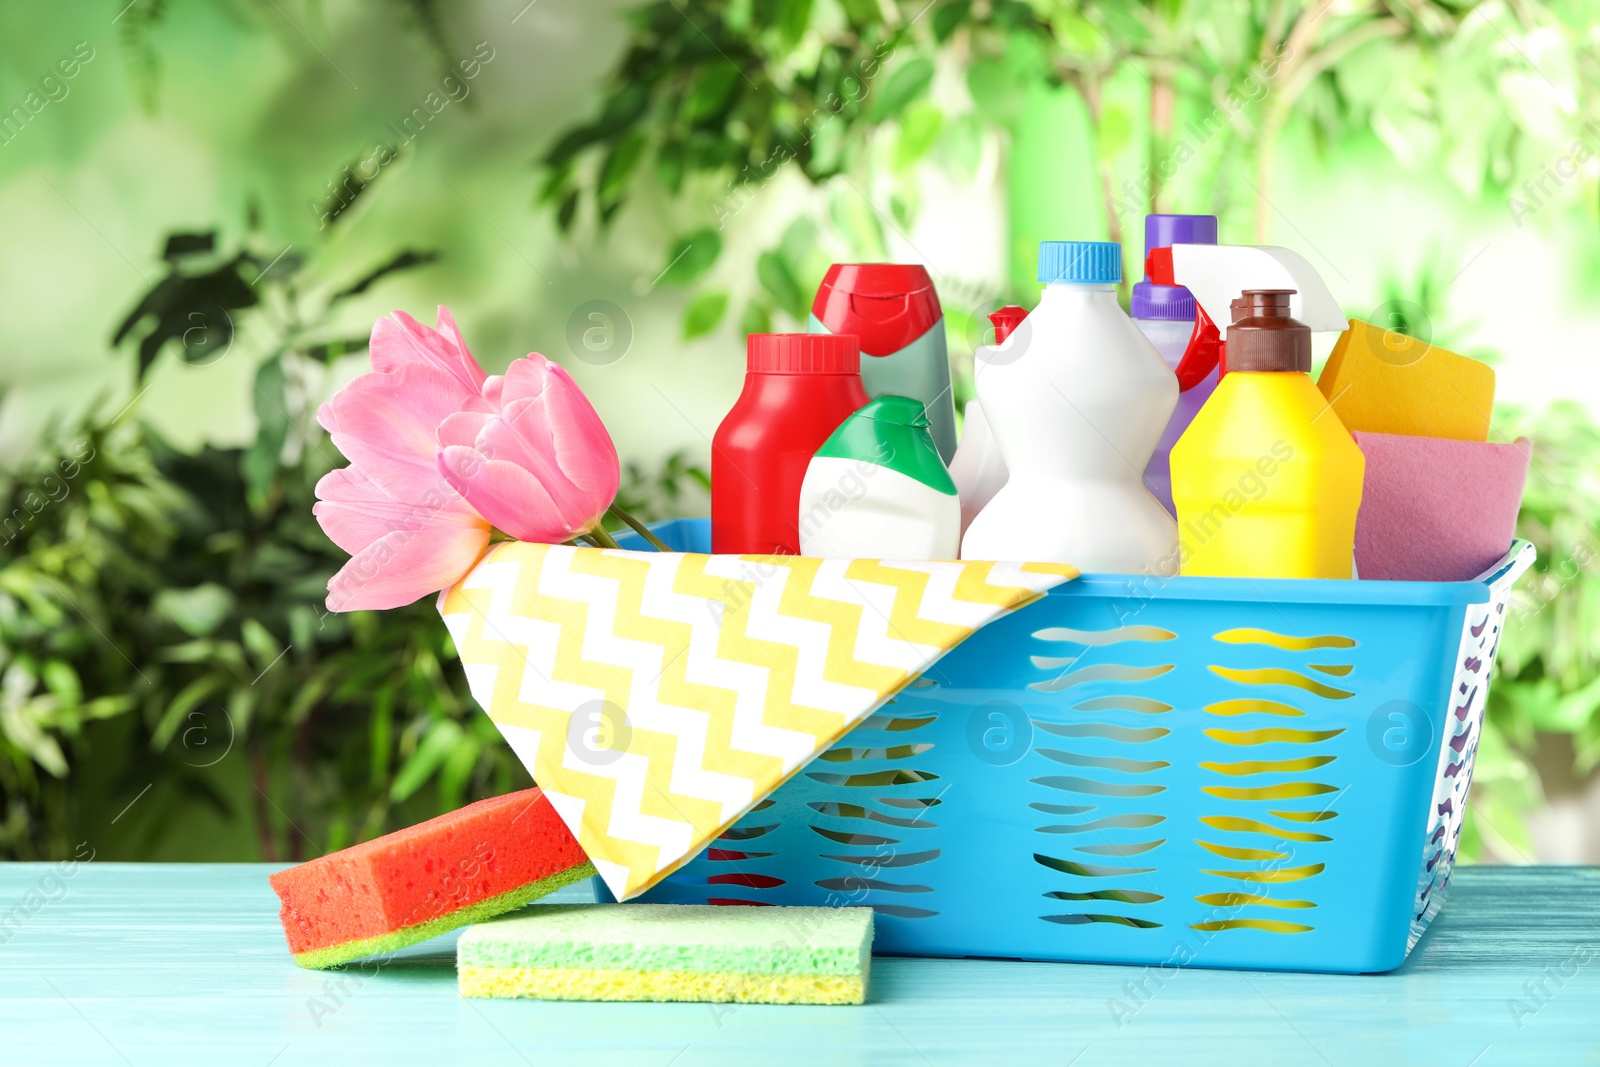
599 536
641 529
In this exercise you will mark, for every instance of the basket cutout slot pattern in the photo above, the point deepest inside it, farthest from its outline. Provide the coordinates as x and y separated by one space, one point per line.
1269 854
1108 780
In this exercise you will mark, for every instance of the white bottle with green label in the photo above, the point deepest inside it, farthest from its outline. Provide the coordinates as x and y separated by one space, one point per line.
877 489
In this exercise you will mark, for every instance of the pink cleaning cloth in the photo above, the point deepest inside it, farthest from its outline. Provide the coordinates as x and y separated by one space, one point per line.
1434 509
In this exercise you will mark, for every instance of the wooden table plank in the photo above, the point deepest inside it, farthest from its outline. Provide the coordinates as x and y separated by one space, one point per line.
128 964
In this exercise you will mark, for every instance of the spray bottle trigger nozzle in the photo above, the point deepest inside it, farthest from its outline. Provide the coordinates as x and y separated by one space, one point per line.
1205 350
1158 267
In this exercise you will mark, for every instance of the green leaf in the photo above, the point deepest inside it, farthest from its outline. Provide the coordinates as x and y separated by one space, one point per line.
999 86
180 245
919 128
380 731
862 13
20 728
690 256
757 318
197 611
59 677
778 279
793 18
262 645
859 223
328 351
308 696
961 147
903 204
457 770
905 85
703 314
409 259
948 18
187 700
1572 712
434 748
799 237
194 310
567 211
713 88
619 167
1115 132
242 708
670 166
260 463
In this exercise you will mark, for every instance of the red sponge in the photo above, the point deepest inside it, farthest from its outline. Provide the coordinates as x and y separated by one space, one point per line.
1435 509
469 865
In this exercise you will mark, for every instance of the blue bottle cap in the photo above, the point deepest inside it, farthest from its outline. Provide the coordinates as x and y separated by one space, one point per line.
1080 261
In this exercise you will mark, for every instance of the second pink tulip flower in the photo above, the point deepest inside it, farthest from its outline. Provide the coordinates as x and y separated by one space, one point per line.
531 455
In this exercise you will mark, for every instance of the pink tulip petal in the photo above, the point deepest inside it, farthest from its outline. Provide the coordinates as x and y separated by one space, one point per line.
543 468
406 565
557 423
527 377
491 392
347 483
463 428
386 424
355 524
403 341
520 435
355 513
583 449
510 497
445 326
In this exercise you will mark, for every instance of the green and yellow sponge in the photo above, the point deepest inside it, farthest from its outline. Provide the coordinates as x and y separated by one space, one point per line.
681 952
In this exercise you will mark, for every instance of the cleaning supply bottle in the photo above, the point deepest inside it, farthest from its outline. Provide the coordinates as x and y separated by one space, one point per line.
877 489
798 388
1077 398
978 469
894 310
1266 479
1166 315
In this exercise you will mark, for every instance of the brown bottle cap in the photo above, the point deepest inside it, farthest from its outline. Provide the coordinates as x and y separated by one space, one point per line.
1263 337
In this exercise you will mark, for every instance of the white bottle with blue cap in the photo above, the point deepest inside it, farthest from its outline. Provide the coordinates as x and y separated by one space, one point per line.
1077 398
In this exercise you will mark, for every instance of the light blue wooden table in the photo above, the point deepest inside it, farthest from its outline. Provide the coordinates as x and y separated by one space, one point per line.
174 964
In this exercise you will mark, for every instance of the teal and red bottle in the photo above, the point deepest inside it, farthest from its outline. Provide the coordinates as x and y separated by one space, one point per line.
894 311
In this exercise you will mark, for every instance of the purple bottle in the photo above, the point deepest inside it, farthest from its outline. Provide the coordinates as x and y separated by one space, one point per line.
1165 313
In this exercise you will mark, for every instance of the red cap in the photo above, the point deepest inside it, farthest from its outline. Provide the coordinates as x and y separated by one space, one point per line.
886 305
1005 320
802 353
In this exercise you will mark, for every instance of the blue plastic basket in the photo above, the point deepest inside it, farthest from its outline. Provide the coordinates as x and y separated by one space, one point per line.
1195 771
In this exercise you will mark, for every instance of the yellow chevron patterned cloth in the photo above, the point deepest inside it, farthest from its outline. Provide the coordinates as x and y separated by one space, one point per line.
658 696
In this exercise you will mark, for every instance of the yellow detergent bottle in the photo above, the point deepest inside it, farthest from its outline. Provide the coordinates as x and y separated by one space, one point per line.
1266 480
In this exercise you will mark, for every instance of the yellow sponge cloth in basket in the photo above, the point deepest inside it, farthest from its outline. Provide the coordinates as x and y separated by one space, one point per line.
1380 381
682 952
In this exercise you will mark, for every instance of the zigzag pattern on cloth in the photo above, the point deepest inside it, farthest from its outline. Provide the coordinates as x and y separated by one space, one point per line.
657 696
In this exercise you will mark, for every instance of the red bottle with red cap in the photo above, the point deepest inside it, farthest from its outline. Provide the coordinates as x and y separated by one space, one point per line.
798 388
894 310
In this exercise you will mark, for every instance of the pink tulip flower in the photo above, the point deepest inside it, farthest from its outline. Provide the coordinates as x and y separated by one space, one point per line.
408 532
530 454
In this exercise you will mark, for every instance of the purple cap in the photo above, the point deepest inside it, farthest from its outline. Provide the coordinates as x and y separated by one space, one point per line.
1170 302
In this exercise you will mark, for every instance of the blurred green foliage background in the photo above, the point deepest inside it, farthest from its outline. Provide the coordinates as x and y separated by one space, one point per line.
206 204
